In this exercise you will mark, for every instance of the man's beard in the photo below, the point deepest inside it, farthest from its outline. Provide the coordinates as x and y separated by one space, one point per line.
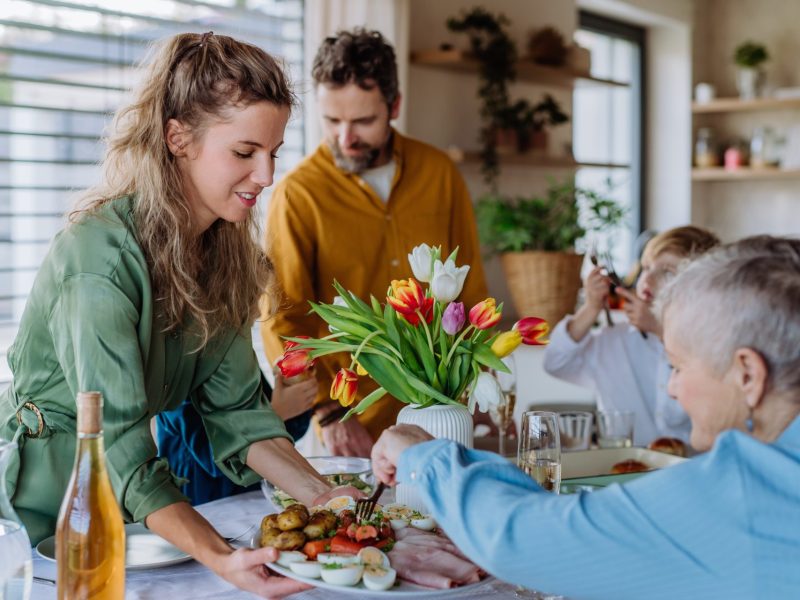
353 164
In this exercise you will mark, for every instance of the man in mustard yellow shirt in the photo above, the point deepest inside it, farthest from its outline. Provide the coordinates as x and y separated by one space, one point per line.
353 210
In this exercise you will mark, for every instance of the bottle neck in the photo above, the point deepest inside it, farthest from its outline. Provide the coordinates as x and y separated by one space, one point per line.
90 414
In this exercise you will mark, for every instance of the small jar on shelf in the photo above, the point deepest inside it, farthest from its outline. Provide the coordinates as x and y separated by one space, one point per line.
705 152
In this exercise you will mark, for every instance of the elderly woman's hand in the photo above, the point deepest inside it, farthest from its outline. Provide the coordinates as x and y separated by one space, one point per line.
386 451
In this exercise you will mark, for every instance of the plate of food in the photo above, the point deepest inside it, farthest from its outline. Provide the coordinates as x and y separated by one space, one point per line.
338 470
143 549
398 552
614 461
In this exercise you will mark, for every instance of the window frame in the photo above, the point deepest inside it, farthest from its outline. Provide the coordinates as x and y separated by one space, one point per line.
638 167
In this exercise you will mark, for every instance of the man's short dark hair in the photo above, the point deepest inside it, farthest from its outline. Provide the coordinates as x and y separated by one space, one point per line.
358 56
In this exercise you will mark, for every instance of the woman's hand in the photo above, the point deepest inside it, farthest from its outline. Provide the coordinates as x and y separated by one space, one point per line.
245 569
183 526
640 313
387 450
291 398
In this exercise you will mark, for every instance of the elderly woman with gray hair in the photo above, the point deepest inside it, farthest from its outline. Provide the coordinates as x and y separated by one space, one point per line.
725 524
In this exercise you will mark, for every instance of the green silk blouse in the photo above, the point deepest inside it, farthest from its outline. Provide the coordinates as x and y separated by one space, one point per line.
90 325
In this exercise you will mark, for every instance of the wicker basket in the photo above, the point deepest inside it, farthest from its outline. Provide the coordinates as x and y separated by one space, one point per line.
543 284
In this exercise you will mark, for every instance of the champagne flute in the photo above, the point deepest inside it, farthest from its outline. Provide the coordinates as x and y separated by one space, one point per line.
503 414
539 452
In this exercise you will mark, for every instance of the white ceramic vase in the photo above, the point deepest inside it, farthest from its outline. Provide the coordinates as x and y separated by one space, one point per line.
750 82
442 421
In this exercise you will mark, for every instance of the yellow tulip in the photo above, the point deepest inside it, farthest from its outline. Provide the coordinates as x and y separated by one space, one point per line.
505 343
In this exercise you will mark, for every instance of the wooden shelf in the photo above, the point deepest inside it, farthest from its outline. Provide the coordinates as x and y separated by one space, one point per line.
722 105
462 62
745 173
535 160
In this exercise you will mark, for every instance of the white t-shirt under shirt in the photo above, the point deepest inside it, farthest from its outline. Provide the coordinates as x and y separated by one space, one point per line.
627 371
380 179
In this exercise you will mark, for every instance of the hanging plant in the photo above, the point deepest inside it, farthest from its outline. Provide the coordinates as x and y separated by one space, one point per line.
497 55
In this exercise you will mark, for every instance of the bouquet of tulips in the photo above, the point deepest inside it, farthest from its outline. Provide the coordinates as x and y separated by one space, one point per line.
420 346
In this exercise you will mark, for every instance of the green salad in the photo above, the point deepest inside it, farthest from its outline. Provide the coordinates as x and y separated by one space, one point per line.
284 500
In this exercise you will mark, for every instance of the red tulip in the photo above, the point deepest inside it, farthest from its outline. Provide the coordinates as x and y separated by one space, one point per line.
533 331
408 299
295 361
484 314
344 387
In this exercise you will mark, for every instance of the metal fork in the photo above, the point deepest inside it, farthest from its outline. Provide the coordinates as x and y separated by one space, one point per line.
366 506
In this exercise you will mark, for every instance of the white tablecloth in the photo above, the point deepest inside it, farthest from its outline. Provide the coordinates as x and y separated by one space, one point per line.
191 580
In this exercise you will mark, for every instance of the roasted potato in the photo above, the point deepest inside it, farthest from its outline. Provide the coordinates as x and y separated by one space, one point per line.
301 508
283 540
269 522
320 524
292 519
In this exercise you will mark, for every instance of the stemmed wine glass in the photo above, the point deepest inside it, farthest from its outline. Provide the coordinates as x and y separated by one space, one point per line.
502 414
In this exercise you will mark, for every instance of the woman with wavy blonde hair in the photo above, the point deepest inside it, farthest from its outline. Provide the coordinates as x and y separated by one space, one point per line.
148 295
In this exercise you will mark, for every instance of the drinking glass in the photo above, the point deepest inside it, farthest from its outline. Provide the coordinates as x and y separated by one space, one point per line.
615 429
539 452
502 415
539 455
575 430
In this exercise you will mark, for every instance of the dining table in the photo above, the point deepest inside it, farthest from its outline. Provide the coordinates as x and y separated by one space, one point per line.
231 517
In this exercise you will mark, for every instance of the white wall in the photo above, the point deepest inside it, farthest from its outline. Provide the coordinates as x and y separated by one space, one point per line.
736 209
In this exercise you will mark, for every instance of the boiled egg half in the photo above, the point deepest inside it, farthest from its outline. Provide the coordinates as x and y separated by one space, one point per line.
373 557
337 574
340 503
287 557
378 578
306 568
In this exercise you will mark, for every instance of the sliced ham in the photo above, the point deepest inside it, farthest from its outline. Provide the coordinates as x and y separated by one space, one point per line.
419 560
418 537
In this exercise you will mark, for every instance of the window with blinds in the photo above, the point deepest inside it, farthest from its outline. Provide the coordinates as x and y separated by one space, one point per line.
65 67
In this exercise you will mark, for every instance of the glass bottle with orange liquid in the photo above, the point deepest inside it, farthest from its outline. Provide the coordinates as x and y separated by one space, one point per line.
90 535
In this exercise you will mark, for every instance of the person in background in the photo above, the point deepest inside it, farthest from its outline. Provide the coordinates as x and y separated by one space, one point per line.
724 524
625 364
148 297
183 440
354 209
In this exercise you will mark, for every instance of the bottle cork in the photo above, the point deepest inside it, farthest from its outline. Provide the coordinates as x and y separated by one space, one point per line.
90 412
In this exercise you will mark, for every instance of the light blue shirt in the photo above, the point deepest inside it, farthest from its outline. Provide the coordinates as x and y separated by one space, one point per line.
723 525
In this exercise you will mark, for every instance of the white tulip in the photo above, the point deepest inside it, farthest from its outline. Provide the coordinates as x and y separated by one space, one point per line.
421 261
337 301
448 280
485 393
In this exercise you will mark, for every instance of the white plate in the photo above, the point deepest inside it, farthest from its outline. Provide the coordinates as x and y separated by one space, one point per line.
143 549
403 589
588 463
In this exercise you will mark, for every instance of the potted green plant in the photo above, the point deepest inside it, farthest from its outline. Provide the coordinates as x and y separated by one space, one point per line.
538 239
748 57
522 126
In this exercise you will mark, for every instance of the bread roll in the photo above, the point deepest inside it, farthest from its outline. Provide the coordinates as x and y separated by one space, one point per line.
629 466
669 445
